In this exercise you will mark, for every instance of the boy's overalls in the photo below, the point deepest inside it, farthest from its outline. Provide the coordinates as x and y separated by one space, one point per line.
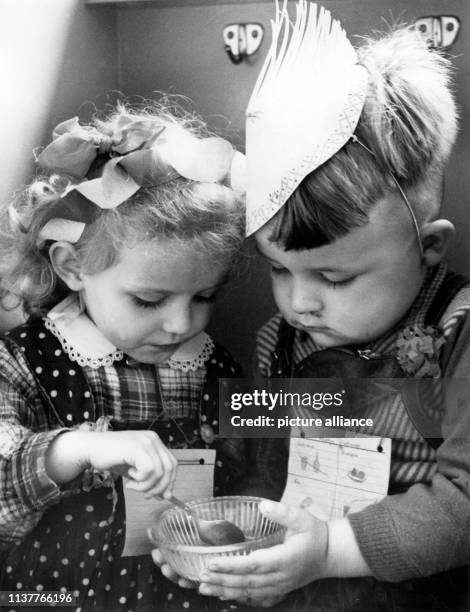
448 591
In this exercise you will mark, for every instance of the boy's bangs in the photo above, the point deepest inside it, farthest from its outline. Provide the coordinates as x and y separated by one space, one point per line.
327 204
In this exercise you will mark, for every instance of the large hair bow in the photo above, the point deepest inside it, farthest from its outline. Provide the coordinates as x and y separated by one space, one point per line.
140 153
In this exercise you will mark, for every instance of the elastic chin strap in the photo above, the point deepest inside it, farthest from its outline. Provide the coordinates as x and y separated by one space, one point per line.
412 214
403 196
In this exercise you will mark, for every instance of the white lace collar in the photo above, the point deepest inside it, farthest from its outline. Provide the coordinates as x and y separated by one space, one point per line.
86 345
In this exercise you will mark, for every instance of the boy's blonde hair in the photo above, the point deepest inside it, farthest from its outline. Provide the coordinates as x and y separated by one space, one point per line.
206 218
408 123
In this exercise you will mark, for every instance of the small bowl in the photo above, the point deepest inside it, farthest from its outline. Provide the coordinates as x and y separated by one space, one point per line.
179 543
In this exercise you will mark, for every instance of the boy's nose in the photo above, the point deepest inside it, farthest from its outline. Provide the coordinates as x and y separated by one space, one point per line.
177 320
305 298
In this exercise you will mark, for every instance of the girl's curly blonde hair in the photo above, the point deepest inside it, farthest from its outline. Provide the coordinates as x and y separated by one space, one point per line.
205 217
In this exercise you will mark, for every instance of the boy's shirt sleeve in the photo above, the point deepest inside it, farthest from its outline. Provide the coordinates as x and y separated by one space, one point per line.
25 487
266 457
266 341
426 530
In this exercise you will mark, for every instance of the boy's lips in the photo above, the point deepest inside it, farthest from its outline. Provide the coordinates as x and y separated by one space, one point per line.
316 330
311 328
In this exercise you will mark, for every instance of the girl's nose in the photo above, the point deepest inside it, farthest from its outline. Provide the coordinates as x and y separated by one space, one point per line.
305 297
177 319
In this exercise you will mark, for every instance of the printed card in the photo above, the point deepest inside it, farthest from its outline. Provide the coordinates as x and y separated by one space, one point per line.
194 480
332 477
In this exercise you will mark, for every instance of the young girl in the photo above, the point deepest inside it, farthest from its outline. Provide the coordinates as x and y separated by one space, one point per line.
117 255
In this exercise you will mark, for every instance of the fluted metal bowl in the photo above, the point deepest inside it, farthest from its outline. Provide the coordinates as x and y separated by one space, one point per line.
177 538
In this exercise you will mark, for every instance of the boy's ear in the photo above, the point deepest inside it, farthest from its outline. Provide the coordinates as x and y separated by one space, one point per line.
435 237
66 264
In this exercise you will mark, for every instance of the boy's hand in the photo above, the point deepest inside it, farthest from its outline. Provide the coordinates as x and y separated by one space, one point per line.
169 573
139 455
265 575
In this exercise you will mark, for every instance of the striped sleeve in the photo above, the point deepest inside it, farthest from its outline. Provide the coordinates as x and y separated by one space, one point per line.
266 343
456 312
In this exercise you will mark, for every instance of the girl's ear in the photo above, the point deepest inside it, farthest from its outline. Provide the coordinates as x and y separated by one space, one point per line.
435 236
66 264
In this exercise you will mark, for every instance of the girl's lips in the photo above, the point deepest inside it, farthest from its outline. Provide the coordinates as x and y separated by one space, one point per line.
166 347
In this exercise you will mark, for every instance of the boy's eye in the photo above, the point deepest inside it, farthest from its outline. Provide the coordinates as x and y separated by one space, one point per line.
205 299
146 303
277 271
342 282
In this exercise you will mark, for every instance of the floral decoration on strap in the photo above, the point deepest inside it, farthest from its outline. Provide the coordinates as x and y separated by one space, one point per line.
419 350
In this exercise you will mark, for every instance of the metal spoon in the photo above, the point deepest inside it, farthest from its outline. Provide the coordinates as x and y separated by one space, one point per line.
216 532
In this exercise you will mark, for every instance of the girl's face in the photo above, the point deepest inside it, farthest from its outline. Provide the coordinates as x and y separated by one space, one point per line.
158 296
352 290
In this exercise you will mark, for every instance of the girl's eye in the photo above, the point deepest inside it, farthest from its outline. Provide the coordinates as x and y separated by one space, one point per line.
147 304
155 304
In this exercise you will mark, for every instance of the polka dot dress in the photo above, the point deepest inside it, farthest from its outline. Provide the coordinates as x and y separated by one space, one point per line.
76 546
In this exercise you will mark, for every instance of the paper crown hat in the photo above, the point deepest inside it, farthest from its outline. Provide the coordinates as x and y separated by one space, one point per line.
304 107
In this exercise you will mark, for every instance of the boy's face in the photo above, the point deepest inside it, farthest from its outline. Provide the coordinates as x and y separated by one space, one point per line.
153 299
352 290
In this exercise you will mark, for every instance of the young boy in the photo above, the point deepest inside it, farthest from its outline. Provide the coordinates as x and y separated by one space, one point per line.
346 156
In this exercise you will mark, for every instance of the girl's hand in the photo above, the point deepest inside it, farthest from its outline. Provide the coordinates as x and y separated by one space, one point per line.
264 576
138 455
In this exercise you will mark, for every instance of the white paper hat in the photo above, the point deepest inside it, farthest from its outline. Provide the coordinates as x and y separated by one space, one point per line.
304 107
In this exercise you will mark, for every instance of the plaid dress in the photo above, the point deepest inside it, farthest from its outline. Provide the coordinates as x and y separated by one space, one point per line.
70 537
